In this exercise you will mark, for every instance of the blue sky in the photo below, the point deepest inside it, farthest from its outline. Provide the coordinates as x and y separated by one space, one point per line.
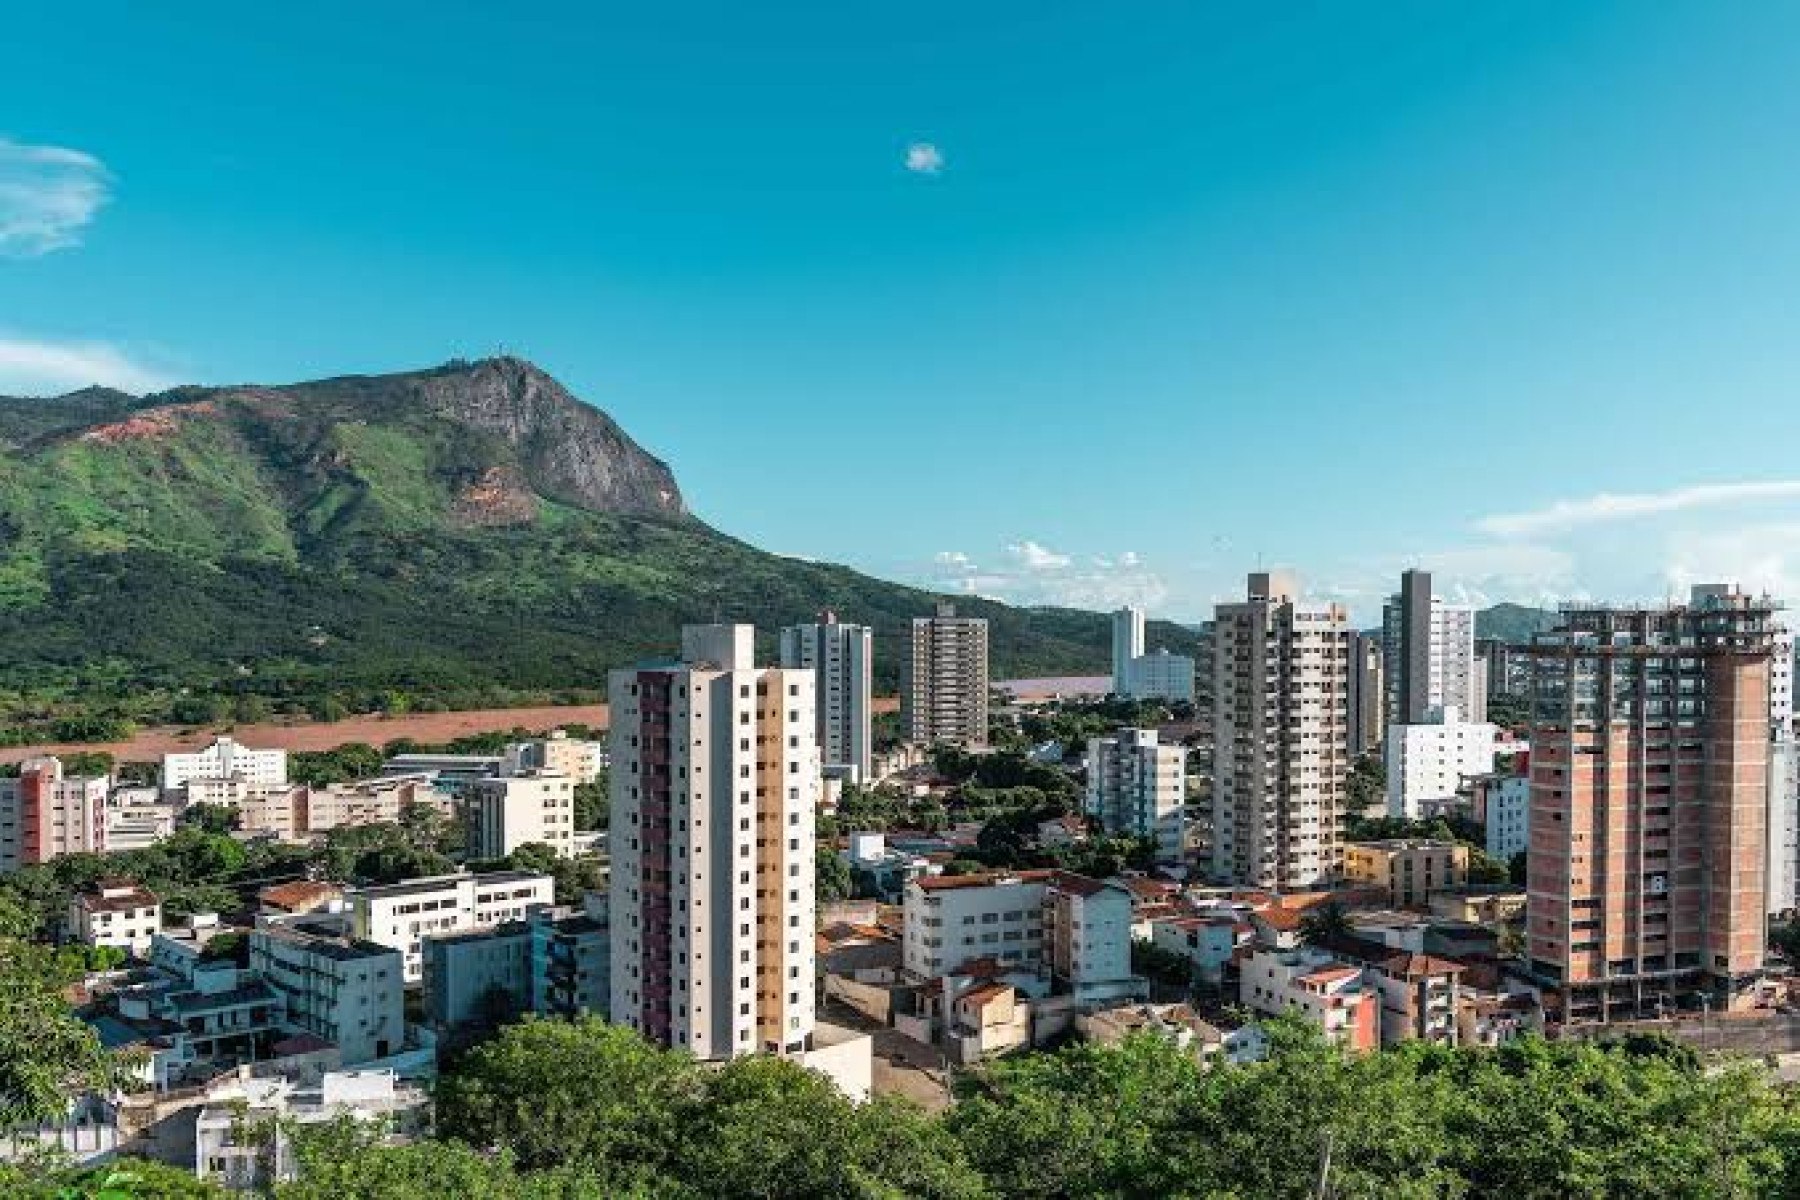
1059 302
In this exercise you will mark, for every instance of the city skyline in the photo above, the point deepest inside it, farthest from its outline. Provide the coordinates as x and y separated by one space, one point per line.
1430 264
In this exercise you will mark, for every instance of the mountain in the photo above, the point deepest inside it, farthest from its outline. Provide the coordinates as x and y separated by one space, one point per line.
455 536
1512 623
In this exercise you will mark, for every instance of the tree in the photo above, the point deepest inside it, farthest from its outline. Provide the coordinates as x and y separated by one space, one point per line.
210 818
831 875
47 1054
768 1127
1483 868
1164 966
1324 922
592 805
1516 867
117 1179
554 1092
344 1160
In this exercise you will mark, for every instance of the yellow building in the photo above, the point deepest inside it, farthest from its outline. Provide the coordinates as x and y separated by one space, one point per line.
1411 869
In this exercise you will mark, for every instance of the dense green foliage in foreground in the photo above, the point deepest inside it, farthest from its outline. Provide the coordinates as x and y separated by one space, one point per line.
588 1110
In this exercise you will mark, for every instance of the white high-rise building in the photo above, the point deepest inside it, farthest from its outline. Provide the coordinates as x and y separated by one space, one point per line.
225 759
1281 736
1429 761
1127 647
944 689
1428 650
1138 786
841 658
1137 675
715 779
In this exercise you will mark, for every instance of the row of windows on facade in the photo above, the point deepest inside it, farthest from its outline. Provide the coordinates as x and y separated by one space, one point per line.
631 814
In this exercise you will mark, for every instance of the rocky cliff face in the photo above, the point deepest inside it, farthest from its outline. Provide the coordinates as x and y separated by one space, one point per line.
571 452
566 450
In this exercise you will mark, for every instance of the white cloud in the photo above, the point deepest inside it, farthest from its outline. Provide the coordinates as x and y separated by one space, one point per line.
32 367
1565 515
1036 575
1759 558
47 195
1035 557
923 158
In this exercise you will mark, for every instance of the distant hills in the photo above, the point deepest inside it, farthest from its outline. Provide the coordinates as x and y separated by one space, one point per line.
1513 623
445 536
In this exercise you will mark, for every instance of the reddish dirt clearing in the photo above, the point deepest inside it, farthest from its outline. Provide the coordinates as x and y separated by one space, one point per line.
150 745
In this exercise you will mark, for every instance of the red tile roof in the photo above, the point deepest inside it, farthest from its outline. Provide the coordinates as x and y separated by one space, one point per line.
1282 920
984 994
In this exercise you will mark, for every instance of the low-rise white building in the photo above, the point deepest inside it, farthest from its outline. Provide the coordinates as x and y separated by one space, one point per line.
1087 938
557 754
952 919
115 912
224 759
346 990
1428 763
1065 929
510 811
242 1136
403 915
1161 676
1207 940
137 818
1327 992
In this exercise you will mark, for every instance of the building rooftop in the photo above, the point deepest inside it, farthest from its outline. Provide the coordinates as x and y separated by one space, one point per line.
323 940
945 883
1078 885
438 883
300 895
114 895
252 991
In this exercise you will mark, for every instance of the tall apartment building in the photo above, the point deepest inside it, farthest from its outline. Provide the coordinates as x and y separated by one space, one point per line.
1783 868
841 658
1649 805
1368 698
715 780
1508 668
944 690
1138 786
1281 736
225 759
1139 675
1429 649
44 814
515 810
1127 646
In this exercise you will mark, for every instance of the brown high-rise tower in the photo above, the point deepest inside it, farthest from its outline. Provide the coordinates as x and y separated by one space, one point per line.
1649 776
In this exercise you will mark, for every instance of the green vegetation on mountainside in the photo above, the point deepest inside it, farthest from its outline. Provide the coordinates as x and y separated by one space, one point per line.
390 541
